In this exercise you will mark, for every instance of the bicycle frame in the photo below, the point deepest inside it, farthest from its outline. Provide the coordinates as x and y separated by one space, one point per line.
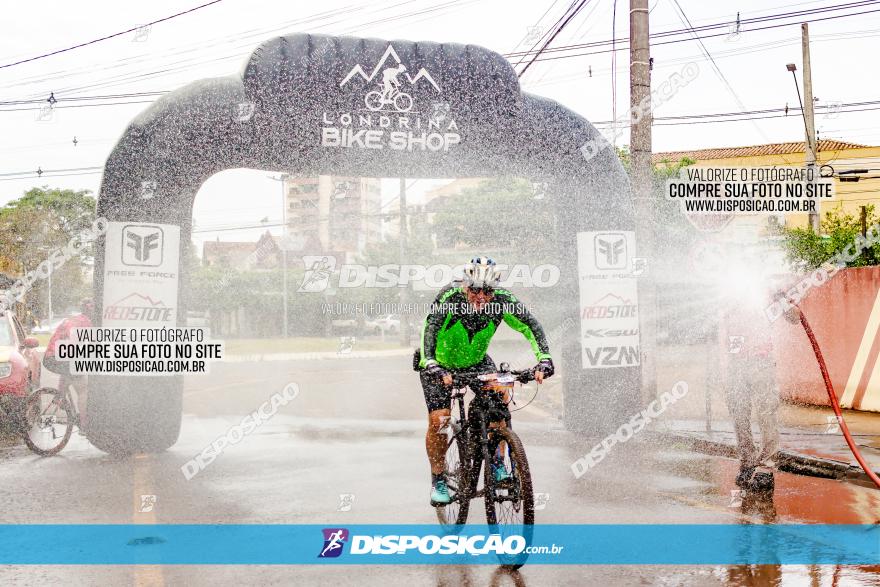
482 416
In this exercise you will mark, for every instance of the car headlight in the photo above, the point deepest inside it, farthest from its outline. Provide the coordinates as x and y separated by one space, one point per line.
5 369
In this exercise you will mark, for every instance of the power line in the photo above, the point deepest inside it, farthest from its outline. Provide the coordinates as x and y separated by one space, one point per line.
544 57
554 35
708 27
333 17
98 40
769 27
683 119
544 35
670 63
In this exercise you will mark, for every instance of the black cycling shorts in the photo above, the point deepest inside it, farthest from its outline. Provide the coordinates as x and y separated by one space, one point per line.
437 394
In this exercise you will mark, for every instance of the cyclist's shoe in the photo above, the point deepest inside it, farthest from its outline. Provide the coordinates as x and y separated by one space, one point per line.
440 493
500 472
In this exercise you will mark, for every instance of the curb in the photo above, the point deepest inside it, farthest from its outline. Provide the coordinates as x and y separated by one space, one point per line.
786 460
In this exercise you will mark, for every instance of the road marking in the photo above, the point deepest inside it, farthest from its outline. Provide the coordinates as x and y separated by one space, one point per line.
142 477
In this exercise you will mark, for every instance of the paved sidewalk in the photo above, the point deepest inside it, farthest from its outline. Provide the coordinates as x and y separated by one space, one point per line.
810 441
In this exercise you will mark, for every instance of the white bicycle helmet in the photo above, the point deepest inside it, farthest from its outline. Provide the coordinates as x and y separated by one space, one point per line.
481 273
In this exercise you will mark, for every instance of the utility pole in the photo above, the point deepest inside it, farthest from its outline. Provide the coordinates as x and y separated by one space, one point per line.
402 240
283 179
642 184
809 115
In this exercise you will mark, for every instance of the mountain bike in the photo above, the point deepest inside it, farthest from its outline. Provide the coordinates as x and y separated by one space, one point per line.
474 437
376 99
48 418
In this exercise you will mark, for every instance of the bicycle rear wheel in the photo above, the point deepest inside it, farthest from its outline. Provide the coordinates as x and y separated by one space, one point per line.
457 480
49 418
510 504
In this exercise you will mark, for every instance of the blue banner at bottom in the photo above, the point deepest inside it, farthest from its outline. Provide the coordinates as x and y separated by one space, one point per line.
569 544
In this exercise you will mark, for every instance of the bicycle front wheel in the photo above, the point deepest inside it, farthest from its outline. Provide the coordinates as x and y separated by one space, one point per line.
510 503
49 418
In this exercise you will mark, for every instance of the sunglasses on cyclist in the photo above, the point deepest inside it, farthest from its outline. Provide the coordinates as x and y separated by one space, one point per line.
485 290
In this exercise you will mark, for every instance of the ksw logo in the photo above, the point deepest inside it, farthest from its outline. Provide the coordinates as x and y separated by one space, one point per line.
607 332
613 356
610 251
334 540
389 96
142 245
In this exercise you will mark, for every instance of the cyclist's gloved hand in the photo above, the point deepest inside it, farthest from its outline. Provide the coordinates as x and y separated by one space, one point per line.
434 369
545 368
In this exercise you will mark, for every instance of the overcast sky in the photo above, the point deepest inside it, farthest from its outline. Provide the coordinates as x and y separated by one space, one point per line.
214 41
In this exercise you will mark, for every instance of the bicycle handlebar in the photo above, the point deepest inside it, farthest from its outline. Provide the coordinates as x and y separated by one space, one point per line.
463 379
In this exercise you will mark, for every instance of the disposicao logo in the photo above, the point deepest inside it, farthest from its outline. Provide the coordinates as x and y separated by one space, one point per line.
334 540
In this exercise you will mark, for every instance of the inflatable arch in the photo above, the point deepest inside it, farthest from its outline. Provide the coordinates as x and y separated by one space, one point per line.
313 104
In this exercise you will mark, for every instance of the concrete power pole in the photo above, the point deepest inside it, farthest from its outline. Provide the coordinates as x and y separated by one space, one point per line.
642 184
809 114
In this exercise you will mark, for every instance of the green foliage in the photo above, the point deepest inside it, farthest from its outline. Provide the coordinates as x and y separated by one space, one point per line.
42 221
806 249
498 213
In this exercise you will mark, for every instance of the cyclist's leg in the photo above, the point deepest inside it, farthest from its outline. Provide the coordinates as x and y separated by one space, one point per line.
438 403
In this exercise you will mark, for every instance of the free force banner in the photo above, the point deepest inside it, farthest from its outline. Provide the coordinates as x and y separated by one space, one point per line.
141 263
607 271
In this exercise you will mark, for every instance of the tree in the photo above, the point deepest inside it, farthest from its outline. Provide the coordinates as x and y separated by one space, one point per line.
806 249
498 213
40 222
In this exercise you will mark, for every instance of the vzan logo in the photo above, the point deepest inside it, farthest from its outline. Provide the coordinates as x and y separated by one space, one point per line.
391 118
142 245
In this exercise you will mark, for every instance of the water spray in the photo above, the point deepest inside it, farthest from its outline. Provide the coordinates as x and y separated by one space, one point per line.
833 397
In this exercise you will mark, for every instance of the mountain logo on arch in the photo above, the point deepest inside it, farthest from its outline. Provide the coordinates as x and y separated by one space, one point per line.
389 74
389 118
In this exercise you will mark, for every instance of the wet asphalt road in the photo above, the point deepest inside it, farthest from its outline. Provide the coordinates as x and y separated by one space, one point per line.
357 429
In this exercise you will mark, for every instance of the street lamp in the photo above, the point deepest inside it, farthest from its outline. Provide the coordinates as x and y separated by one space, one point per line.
793 68
809 145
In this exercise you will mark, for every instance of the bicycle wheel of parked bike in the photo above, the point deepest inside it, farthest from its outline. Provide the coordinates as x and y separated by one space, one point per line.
457 480
49 418
510 504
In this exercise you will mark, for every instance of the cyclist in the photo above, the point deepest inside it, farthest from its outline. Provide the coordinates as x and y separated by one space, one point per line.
390 81
455 337
62 368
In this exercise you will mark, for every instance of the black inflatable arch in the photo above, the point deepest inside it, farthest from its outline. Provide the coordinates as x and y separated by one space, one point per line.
272 117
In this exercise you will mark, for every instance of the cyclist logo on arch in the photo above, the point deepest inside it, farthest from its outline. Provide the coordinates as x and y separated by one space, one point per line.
390 94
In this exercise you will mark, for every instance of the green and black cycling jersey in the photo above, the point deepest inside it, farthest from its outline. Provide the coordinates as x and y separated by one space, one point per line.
457 336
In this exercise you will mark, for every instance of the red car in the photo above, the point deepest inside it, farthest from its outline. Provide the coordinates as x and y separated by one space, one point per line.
19 359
